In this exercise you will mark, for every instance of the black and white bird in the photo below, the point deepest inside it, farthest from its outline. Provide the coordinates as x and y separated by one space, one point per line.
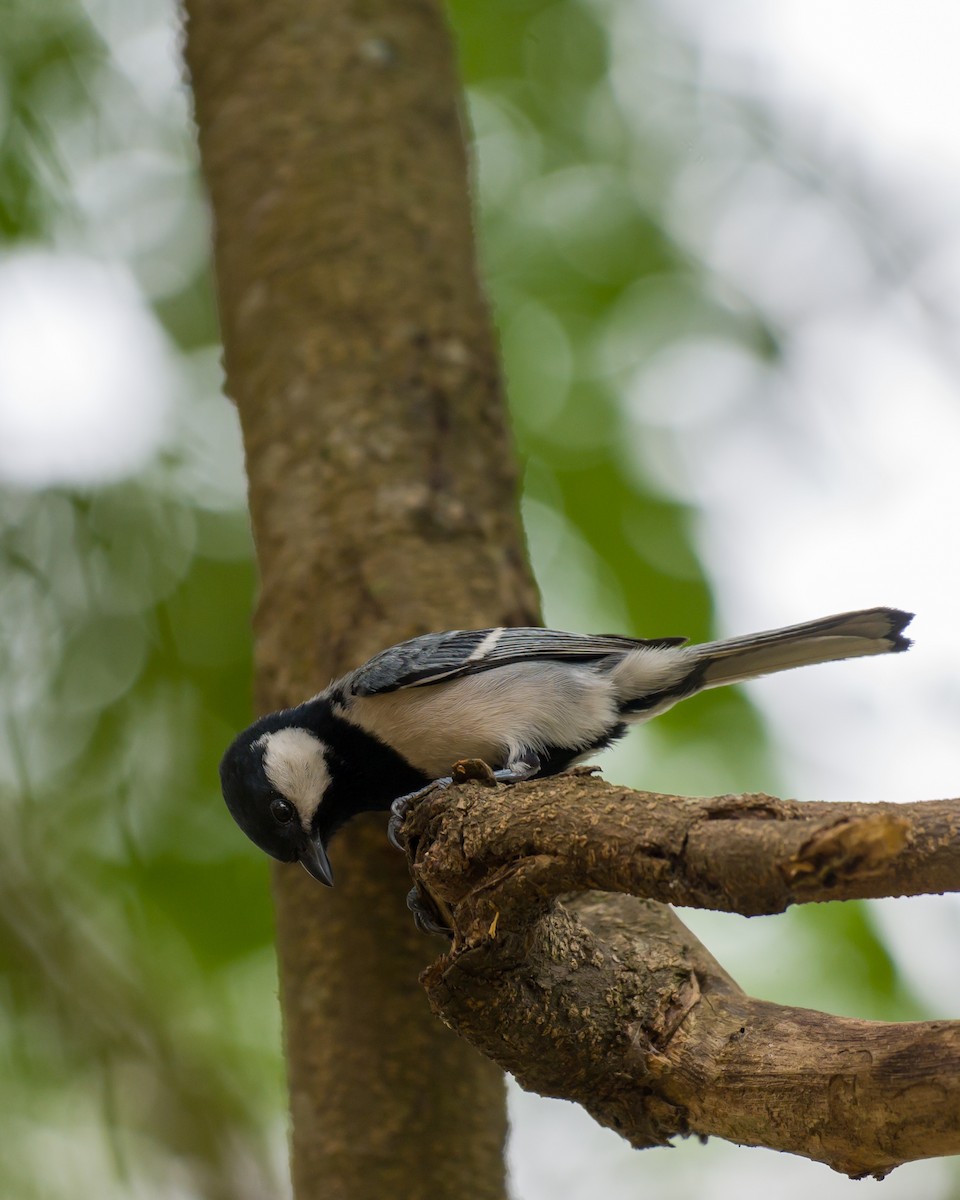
526 701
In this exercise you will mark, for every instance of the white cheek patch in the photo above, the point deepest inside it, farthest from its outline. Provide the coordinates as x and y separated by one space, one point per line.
295 763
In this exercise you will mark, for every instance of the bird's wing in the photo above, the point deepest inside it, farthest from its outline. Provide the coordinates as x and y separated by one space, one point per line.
440 656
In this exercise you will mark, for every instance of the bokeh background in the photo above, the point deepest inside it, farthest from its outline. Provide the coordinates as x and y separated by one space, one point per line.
722 239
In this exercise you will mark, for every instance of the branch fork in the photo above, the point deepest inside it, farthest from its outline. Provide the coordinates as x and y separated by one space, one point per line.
567 968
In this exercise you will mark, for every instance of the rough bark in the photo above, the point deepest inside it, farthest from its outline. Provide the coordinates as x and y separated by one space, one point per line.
748 854
614 1004
610 1001
359 352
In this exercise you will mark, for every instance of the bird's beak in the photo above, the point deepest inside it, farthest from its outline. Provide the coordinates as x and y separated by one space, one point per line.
313 859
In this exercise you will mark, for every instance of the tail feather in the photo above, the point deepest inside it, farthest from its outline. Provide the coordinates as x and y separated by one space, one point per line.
847 635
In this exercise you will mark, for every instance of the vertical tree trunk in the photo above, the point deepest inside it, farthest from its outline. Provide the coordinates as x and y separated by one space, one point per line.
382 488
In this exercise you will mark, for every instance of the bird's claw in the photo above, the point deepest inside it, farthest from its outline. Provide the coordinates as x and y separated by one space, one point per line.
424 918
470 768
519 769
402 805
467 768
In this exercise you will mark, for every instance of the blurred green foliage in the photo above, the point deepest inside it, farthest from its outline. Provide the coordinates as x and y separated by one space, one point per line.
139 1036
588 285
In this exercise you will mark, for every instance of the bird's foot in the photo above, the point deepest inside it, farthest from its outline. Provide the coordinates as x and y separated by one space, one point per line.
424 916
402 805
519 769
462 771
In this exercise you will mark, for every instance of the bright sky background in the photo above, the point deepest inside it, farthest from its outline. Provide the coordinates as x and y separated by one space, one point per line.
869 511
86 377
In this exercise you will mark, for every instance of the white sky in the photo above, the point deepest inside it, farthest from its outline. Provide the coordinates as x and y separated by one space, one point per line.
834 484
886 70
86 376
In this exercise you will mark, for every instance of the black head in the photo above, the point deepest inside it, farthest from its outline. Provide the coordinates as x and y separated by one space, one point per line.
274 776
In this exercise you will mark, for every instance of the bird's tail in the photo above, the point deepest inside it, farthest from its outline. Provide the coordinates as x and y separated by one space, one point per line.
847 635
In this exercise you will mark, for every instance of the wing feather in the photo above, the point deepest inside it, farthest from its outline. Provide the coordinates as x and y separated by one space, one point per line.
441 656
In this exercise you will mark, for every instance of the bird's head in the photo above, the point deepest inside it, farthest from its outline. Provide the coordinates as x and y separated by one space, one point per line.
274 777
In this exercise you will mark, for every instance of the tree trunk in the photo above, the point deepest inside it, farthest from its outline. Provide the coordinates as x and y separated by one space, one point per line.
359 352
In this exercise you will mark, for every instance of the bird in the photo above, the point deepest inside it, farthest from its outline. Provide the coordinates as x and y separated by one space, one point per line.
526 701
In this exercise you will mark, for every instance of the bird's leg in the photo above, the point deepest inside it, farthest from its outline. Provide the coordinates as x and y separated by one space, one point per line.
518 769
402 805
423 916
523 767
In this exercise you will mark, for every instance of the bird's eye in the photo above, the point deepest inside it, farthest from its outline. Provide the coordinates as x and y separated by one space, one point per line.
282 810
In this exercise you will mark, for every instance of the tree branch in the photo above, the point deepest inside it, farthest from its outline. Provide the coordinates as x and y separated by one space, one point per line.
748 854
610 1001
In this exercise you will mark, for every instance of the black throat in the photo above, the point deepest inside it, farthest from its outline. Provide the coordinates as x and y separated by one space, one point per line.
366 775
